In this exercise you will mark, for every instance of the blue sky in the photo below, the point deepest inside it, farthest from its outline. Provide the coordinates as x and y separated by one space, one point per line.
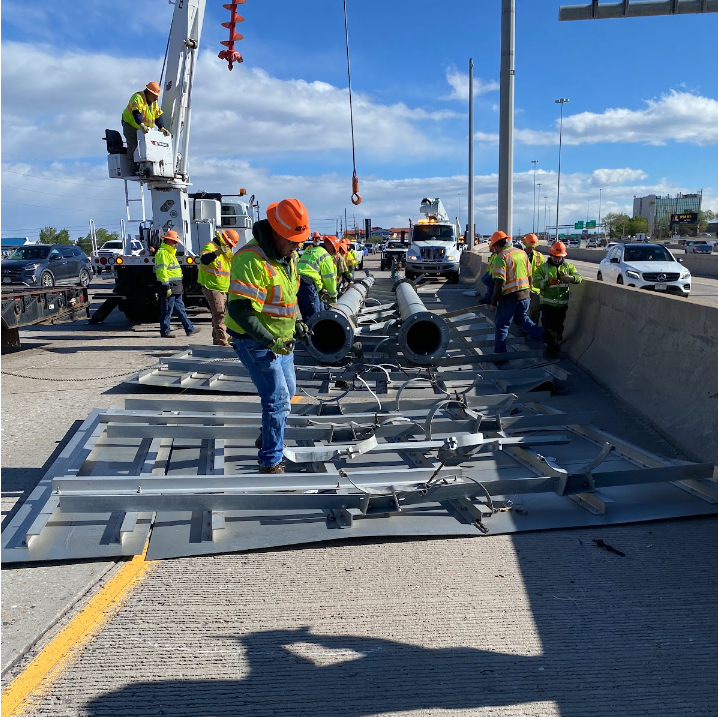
642 116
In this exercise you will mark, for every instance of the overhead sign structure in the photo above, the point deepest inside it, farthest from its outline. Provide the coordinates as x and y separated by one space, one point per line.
591 224
578 225
685 218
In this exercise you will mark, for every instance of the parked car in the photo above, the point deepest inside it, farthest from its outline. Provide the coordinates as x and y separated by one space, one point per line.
592 243
47 265
698 246
109 251
645 266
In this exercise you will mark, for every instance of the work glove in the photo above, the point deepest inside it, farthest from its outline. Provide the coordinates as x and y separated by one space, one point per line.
168 292
145 129
301 332
281 347
554 282
324 296
165 131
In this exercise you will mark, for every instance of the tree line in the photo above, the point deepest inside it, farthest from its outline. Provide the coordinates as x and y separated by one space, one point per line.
52 235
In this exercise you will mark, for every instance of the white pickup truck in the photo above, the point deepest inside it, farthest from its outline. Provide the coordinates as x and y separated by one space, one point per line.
434 244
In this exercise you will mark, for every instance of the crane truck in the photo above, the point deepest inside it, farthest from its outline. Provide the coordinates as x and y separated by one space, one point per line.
434 244
160 163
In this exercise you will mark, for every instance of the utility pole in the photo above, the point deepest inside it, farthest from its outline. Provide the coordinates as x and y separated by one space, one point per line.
545 205
506 117
538 208
560 102
533 213
469 238
598 226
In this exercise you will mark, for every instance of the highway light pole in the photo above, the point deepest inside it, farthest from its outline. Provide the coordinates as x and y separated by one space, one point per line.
533 214
538 208
600 189
560 102
545 206
469 238
506 117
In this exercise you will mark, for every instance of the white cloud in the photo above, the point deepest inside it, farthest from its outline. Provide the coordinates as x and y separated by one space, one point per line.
459 82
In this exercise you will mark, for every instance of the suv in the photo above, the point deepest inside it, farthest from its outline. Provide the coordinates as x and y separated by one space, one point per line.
698 246
592 243
394 253
104 257
47 265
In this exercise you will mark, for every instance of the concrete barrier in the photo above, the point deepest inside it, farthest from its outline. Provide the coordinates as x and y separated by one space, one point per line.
705 265
657 354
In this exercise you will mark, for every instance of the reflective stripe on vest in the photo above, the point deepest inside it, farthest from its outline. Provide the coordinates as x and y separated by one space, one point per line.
138 102
517 278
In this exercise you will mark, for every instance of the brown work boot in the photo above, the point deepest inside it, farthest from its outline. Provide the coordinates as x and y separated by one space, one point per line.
168 336
279 468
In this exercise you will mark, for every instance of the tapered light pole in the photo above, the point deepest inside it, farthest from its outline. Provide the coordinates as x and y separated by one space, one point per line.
506 117
545 207
560 102
533 214
600 189
469 238
538 208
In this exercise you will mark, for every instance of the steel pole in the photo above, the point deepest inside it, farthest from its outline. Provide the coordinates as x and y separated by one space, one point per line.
423 336
506 117
560 102
469 238
333 330
533 213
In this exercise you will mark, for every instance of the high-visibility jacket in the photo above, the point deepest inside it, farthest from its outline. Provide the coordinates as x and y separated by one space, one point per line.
554 294
149 112
317 264
534 263
512 267
341 265
166 265
269 285
214 276
352 259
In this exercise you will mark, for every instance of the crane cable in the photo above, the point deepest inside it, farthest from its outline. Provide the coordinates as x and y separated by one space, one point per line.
356 197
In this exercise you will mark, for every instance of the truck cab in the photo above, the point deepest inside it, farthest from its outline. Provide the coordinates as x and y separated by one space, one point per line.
434 244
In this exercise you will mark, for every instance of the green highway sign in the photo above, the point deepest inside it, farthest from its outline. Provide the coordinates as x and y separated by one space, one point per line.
591 224
578 225
561 236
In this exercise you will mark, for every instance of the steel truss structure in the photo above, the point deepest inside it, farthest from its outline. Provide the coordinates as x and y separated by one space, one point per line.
185 478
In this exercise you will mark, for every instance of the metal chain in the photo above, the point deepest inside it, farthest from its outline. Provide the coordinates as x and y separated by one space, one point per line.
71 380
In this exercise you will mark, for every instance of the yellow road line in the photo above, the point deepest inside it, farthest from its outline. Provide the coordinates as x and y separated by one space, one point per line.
296 399
66 646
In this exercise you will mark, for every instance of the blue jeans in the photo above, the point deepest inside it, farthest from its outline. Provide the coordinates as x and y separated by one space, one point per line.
488 281
516 311
308 300
173 304
276 384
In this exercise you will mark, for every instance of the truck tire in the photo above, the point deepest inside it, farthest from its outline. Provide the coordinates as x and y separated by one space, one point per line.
454 278
141 312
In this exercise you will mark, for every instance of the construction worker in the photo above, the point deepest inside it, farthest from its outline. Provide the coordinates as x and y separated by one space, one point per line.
317 239
262 318
512 285
530 242
352 259
169 274
215 262
141 113
552 279
340 259
317 278
487 279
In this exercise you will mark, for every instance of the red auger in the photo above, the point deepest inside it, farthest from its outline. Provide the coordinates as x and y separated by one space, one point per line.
230 54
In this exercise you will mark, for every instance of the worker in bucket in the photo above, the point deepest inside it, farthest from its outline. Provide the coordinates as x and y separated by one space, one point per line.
262 318
214 265
530 243
512 287
317 278
142 112
169 273
552 279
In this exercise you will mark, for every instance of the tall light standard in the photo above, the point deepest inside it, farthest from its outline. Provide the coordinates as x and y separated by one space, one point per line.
538 208
600 189
560 102
533 214
545 206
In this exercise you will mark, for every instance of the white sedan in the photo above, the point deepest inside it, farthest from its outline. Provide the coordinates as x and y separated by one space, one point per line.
645 266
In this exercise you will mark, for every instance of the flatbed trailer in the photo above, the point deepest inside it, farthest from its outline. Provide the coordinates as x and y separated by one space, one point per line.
22 306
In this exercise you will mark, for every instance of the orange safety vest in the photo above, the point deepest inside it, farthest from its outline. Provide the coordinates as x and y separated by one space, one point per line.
512 267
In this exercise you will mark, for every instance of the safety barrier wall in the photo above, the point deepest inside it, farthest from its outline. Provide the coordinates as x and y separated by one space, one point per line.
698 264
656 354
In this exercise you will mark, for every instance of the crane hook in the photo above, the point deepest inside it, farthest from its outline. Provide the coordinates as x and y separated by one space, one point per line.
356 197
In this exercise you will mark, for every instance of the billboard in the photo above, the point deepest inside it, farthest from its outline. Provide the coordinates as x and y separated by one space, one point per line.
685 218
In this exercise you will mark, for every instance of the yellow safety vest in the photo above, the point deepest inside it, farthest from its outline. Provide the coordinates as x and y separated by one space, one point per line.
535 262
512 267
166 265
149 112
317 264
266 283
214 276
352 259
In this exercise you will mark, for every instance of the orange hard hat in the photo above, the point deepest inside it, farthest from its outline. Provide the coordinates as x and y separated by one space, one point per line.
153 87
316 235
497 237
558 249
333 241
531 240
230 236
171 236
289 219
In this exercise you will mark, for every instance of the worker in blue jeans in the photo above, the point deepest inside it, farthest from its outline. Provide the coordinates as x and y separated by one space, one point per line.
511 298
